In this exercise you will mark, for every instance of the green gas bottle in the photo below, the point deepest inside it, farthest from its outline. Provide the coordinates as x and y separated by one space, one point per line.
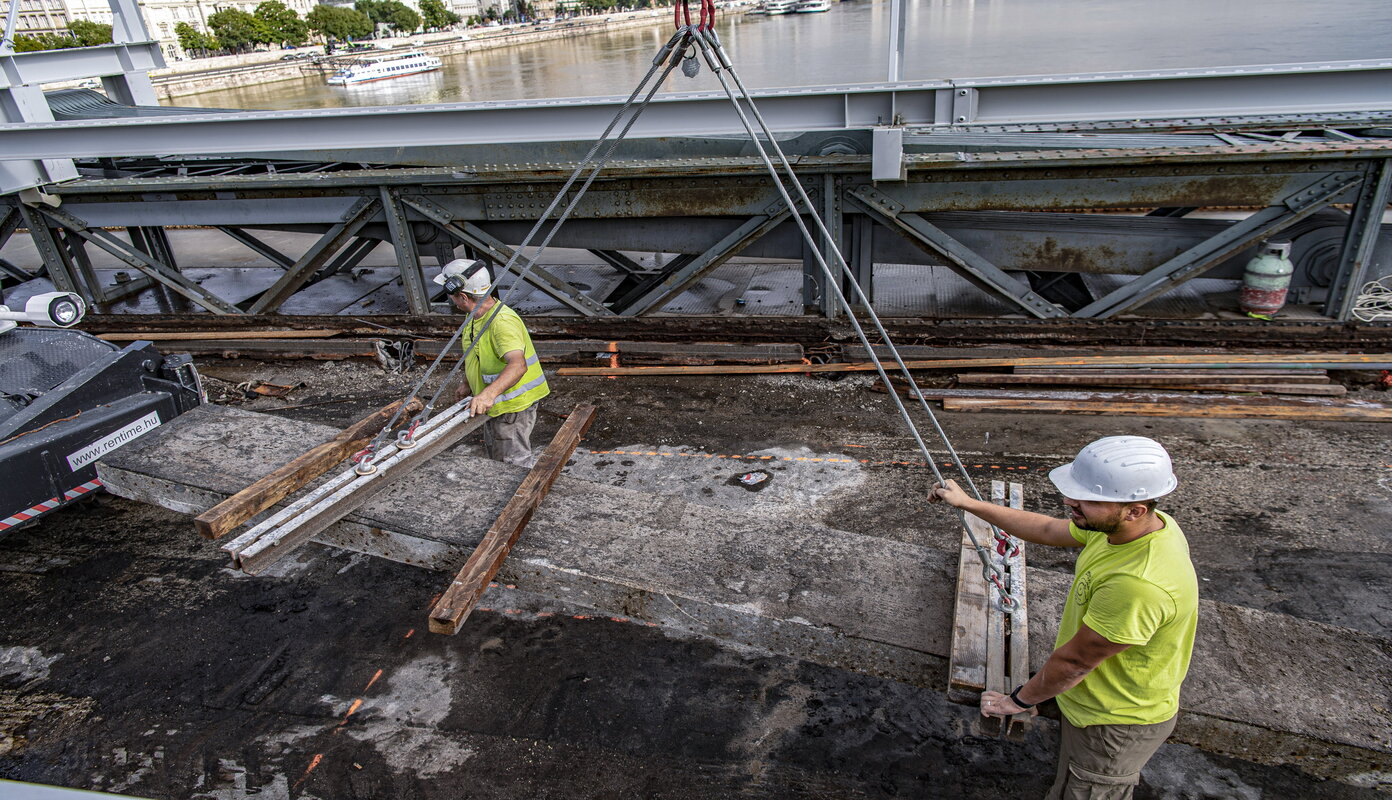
1266 280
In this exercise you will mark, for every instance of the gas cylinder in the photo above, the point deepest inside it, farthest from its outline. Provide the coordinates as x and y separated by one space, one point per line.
1266 280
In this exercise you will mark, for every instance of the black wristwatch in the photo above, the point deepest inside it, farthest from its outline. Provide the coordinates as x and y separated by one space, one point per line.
1015 698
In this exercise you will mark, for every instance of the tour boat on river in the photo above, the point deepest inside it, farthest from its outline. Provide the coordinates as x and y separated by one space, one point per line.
811 6
377 68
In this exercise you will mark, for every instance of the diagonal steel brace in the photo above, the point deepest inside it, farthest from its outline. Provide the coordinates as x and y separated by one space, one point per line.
964 261
1209 253
541 278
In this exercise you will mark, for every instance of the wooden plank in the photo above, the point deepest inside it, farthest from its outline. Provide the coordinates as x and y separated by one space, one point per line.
299 471
468 586
1348 413
1309 360
177 336
1144 379
1066 395
1017 632
966 669
1284 389
995 633
272 545
1297 375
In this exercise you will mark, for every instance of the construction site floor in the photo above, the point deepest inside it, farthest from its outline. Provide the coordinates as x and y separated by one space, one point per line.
133 660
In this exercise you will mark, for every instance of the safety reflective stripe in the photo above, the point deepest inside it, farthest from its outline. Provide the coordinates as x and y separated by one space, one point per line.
523 388
487 378
48 505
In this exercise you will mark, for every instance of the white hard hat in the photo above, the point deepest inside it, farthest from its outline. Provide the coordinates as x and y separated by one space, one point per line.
1118 469
465 275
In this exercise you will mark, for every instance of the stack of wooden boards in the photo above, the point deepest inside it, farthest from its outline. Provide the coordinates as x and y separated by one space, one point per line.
1248 387
990 648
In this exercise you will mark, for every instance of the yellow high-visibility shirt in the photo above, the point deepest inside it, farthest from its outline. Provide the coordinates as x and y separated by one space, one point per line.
1143 593
486 363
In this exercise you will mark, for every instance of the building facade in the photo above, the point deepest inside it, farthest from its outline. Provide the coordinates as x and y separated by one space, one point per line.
38 16
162 16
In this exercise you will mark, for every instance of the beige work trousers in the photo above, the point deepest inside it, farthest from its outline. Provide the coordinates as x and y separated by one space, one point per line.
1103 762
508 437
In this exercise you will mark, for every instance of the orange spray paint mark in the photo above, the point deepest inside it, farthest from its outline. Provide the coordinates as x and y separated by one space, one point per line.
375 676
409 633
352 709
313 762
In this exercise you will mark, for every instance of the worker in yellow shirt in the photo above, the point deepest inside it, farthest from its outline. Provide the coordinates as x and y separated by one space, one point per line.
1128 624
502 372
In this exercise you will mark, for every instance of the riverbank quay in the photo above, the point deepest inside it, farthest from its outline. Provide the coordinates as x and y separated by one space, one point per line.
184 78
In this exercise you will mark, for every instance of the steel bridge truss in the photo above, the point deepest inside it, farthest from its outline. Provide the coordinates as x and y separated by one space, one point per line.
1021 214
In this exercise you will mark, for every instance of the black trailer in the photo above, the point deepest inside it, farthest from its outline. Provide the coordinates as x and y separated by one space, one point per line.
66 399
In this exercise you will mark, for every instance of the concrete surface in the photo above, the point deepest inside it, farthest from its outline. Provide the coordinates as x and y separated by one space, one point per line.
253 676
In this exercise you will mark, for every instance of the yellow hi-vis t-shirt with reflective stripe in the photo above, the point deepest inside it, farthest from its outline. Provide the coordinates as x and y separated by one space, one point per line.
485 363
1143 593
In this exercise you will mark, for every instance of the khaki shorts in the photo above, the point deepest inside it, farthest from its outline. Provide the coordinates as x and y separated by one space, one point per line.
1103 762
508 437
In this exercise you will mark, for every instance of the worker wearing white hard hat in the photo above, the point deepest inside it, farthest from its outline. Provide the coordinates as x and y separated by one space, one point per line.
502 370
1127 630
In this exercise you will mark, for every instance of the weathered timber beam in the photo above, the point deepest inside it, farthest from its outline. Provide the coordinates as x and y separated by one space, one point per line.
266 492
1017 626
1311 360
1347 413
966 666
468 586
1318 396
1145 378
186 336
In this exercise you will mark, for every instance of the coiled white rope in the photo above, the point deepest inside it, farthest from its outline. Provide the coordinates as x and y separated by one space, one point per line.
1374 303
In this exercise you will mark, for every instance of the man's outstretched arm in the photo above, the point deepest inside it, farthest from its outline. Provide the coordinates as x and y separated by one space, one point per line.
1066 668
1021 524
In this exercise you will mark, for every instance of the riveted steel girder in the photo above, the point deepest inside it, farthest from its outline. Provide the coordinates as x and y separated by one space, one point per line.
1195 261
407 255
500 253
967 263
1357 249
347 226
152 267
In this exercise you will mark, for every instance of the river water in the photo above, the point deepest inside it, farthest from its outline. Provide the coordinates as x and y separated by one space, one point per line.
946 39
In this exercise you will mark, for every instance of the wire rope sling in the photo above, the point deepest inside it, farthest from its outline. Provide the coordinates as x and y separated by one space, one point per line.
689 46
